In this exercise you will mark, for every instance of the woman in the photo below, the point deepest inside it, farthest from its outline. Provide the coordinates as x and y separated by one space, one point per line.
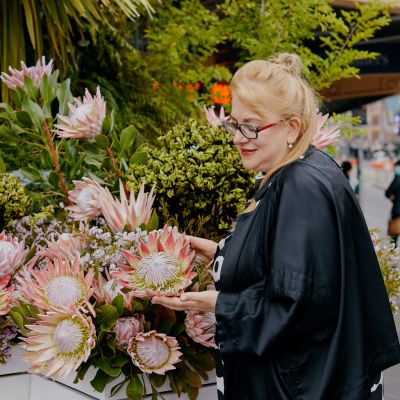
301 307
393 194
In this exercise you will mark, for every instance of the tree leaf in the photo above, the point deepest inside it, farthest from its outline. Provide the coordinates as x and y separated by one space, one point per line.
127 138
134 390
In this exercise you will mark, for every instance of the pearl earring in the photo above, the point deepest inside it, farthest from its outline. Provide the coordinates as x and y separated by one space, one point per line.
290 145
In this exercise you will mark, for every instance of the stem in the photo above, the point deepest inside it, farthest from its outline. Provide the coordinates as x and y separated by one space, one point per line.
114 162
56 164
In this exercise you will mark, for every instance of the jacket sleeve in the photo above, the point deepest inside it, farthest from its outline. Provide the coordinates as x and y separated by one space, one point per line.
298 296
391 189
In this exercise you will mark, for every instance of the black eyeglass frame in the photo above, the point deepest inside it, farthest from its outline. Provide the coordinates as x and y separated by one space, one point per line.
238 126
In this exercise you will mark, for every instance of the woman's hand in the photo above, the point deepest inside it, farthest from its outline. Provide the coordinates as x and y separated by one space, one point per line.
196 301
204 248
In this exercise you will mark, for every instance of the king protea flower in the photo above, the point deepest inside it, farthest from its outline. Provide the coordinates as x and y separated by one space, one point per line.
12 254
59 342
162 266
325 136
126 213
212 117
85 119
58 286
16 78
154 352
85 199
127 328
200 326
5 295
65 246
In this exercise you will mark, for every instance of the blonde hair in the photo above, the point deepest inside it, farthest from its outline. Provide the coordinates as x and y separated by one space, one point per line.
277 90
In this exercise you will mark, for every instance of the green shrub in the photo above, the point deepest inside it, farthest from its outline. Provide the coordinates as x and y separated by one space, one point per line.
201 185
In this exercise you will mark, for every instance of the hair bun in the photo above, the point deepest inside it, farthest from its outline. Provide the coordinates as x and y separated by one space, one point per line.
291 63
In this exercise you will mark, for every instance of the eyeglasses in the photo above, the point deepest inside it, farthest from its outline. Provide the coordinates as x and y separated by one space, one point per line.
248 131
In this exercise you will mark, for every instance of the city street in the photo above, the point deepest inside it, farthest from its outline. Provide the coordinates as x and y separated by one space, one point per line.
377 210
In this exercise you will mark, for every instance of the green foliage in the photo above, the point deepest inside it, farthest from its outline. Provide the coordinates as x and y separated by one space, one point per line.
200 183
324 38
14 201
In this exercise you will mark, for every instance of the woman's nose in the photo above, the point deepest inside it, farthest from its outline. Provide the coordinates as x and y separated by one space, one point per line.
238 137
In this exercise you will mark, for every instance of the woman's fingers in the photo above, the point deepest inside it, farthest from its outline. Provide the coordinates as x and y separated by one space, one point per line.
196 301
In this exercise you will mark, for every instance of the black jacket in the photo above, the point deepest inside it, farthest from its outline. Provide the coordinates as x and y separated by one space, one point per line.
303 311
394 191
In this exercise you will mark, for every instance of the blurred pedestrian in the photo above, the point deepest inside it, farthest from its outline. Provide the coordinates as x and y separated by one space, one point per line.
393 193
346 168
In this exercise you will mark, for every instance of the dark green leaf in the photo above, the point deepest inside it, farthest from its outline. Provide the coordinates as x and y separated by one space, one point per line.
34 111
54 180
193 392
119 304
105 364
102 141
100 380
157 380
138 158
8 135
30 88
32 174
107 315
191 377
24 119
3 167
48 88
107 125
120 360
134 390
127 138
16 98
83 368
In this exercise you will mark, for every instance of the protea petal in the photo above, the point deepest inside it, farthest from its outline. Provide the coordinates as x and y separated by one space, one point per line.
154 352
200 326
12 254
153 271
58 286
126 213
325 136
65 246
85 118
6 297
72 338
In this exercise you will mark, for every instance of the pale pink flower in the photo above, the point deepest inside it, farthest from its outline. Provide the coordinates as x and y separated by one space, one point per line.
108 290
16 77
325 136
65 246
85 199
6 295
200 326
127 328
162 265
59 342
57 286
154 352
12 254
212 117
126 213
85 119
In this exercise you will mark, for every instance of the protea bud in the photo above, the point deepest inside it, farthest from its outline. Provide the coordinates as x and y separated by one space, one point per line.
12 254
127 328
200 326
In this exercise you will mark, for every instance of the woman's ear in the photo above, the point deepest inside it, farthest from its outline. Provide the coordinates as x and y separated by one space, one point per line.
294 131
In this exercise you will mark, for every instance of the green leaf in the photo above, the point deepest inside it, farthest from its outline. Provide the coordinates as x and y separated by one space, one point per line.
120 360
193 392
119 304
64 97
83 368
54 179
127 138
91 148
16 98
138 158
157 380
102 141
107 315
105 364
24 119
3 167
191 377
48 88
8 135
34 111
30 88
19 320
32 174
134 390
100 380
153 222
107 125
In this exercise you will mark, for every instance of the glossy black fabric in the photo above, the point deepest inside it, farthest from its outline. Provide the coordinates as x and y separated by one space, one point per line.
303 312
394 190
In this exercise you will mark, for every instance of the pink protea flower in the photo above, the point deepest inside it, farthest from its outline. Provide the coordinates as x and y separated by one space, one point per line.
12 254
16 78
108 290
65 246
325 136
85 119
59 342
200 326
60 285
162 266
154 352
131 213
212 117
5 295
127 328
85 199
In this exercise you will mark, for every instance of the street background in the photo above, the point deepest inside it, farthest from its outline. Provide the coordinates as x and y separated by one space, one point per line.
376 208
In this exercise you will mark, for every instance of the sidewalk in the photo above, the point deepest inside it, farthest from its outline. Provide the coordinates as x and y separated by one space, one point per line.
376 210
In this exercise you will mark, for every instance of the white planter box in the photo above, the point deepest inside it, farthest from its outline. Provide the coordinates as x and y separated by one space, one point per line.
17 384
